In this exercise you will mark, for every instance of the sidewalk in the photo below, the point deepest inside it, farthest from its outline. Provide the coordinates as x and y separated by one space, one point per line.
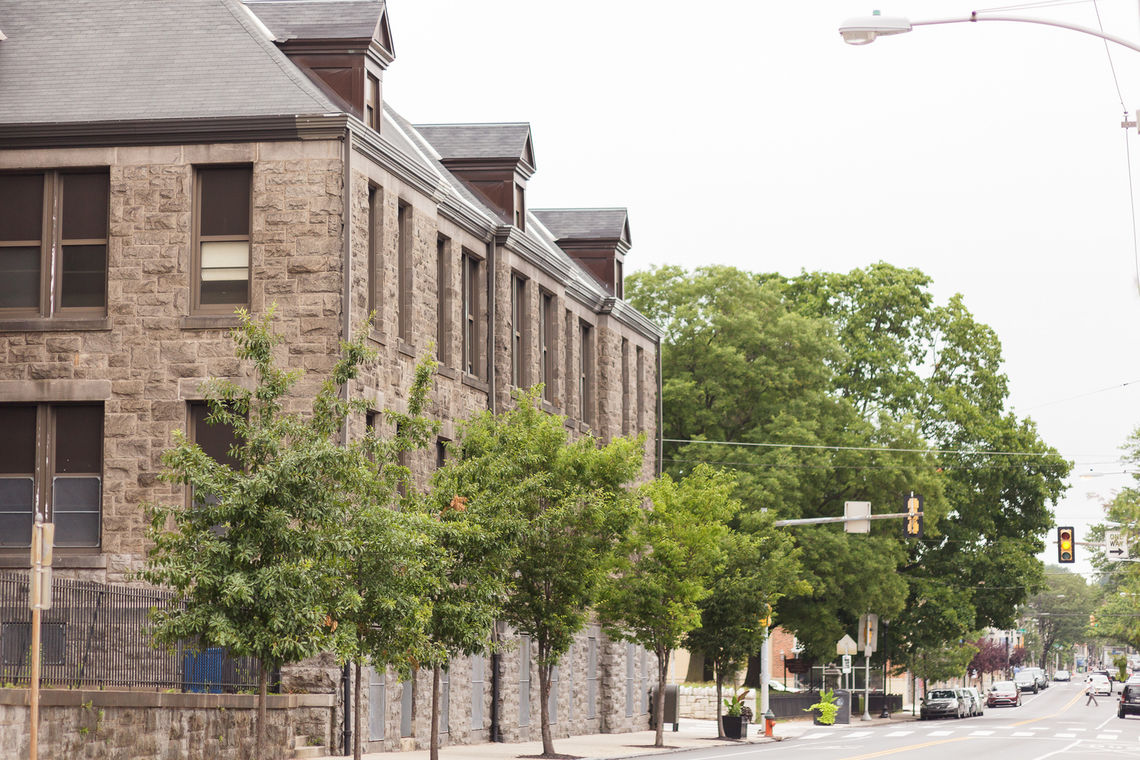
692 734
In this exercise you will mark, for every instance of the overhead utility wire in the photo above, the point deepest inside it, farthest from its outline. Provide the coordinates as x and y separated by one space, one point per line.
1087 393
969 452
1027 6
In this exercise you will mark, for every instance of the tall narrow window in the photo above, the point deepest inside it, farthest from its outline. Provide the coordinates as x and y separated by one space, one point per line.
51 461
586 372
626 391
547 323
619 280
404 272
377 704
216 441
520 207
518 331
375 260
53 243
470 308
591 678
569 376
639 383
443 298
372 101
222 251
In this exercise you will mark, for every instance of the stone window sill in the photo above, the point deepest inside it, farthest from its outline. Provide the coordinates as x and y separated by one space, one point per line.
53 324
473 382
86 561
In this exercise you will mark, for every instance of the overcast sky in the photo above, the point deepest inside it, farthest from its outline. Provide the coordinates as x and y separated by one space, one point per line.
988 155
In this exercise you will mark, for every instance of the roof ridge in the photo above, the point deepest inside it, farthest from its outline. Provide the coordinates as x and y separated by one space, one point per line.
476 124
303 83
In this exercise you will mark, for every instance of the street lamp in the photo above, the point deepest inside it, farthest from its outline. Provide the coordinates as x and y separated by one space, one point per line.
863 30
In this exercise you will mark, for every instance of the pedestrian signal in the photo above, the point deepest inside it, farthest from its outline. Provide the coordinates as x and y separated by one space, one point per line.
912 523
1065 544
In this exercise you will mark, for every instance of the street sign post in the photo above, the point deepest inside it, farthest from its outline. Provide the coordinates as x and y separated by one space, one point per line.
39 599
1116 545
868 641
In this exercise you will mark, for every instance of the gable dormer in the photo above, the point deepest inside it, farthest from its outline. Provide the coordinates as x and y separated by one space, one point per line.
596 238
494 160
344 46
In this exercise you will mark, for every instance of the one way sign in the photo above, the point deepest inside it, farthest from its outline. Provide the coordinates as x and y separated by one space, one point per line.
1116 545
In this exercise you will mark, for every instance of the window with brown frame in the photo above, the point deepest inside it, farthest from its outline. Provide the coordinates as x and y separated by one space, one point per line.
215 439
520 207
404 271
51 461
586 371
619 280
222 261
518 331
472 281
546 328
53 243
375 273
372 101
639 384
568 384
443 299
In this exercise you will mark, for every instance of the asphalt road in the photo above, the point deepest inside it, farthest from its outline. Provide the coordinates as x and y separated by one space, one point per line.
1054 724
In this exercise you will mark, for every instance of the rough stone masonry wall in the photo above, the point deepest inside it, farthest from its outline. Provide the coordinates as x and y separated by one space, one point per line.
110 725
154 356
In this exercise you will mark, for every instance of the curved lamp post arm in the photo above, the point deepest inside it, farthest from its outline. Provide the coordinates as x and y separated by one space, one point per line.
864 30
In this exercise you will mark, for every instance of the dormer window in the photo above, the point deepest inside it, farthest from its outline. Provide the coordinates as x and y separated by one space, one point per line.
520 207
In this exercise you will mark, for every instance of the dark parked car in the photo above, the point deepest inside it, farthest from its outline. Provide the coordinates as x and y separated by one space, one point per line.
1003 693
1026 681
944 703
1129 701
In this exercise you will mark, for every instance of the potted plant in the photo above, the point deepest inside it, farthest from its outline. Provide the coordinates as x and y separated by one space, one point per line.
735 720
825 710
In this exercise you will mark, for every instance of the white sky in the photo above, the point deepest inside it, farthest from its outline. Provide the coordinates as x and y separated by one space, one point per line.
745 132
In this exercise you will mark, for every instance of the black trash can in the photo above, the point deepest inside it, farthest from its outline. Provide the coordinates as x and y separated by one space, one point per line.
843 702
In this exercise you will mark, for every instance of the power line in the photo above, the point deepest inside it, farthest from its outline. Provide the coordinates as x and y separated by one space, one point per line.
1118 386
823 447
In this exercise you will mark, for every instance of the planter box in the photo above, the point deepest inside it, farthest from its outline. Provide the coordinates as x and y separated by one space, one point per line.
735 727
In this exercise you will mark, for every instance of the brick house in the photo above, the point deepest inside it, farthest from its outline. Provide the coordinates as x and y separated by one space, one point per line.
162 164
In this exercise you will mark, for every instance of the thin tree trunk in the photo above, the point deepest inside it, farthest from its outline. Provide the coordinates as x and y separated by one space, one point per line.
719 695
659 698
356 715
433 752
262 690
544 673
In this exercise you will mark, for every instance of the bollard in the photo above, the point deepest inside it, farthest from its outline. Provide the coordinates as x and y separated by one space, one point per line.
769 722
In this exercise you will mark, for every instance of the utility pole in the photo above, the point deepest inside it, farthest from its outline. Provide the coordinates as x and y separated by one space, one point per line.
39 599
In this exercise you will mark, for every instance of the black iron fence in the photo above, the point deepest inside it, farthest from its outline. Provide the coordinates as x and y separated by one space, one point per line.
98 635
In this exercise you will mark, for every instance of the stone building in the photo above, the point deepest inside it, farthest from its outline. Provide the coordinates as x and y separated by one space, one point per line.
163 164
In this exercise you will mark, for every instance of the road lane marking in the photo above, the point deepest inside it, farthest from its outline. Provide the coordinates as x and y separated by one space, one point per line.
981 733
940 733
1110 737
1106 722
908 748
1064 736
1058 751
1023 733
1051 715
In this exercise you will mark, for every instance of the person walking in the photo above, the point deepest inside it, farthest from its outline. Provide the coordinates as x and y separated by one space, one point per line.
1090 691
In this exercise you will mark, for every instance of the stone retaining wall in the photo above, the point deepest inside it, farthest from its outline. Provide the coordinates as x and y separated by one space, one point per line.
132 725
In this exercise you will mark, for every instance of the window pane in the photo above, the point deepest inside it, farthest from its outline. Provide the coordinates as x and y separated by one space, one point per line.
215 440
84 276
21 206
75 511
225 200
19 278
84 206
18 444
79 439
225 273
16 514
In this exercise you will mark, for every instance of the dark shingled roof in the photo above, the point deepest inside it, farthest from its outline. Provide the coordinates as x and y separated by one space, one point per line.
479 140
319 19
111 60
585 223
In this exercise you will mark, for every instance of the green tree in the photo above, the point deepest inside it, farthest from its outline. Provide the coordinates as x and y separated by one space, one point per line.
665 565
254 561
763 565
1060 612
571 504
1119 582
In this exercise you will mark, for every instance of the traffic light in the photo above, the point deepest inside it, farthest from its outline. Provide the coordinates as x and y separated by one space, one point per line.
912 523
1065 545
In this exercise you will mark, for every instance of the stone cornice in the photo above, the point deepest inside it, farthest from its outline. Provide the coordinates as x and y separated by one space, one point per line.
173 131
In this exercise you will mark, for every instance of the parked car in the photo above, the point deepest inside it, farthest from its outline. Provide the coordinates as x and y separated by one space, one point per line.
1129 701
1003 693
943 703
1062 675
1026 681
1099 684
976 702
1039 675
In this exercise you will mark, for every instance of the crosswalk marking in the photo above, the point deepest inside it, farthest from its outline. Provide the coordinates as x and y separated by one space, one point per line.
1022 733
981 733
1110 737
817 735
941 733
1064 736
859 734
900 733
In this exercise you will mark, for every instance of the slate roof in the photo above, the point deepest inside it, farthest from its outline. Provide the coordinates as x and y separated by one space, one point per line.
113 60
318 19
585 223
478 140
